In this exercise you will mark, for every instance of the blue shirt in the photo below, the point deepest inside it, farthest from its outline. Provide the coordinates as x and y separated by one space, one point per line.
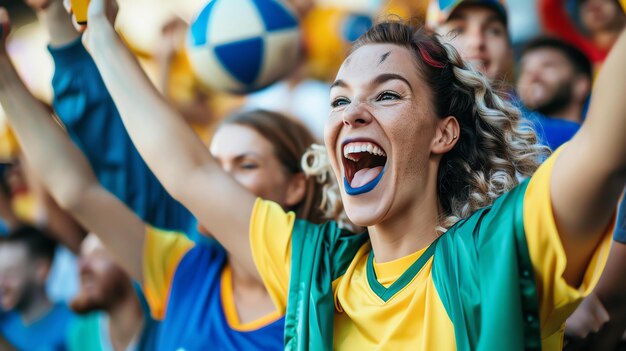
49 333
552 132
189 289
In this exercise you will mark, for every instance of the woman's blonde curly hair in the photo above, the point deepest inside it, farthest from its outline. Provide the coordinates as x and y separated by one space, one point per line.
495 147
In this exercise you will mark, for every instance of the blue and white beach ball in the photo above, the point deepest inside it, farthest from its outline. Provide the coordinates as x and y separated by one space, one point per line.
240 46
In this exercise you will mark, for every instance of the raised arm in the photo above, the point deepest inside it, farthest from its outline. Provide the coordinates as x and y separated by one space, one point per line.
168 145
59 224
590 173
65 171
88 113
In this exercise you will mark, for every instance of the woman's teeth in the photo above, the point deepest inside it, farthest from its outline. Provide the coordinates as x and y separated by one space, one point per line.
353 148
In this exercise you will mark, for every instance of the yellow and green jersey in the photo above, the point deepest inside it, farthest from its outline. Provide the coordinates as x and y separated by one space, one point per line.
493 281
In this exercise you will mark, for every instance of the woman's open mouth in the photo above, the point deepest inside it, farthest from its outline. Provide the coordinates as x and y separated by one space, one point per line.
364 165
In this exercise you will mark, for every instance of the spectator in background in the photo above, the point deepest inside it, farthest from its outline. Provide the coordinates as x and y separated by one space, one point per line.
554 81
32 321
114 319
602 19
27 202
478 29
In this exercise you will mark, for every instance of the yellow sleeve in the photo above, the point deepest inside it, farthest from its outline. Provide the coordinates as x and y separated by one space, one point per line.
270 239
162 252
557 299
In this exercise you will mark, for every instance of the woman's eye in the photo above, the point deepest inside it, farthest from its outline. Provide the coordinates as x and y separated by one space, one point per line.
249 166
339 102
387 95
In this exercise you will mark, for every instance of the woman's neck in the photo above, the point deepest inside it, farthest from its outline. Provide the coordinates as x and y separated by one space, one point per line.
251 299
403 237
410 230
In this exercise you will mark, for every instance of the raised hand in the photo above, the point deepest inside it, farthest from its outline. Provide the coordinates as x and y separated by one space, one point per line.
103 9
99 12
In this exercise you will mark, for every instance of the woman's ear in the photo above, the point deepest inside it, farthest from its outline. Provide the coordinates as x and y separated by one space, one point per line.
296 189
446 135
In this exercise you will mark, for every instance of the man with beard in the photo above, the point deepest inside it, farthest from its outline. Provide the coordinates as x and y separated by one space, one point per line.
555 80
30 320
113 316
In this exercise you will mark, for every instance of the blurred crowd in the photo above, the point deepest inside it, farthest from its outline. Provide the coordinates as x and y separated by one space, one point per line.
60 289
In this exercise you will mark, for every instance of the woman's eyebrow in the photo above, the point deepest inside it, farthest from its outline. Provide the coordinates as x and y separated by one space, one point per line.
338 83
380 79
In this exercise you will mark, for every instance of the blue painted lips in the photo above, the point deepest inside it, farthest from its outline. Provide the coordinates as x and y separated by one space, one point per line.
364 188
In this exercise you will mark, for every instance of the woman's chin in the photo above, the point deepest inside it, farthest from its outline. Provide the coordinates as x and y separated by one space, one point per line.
365 213
371 207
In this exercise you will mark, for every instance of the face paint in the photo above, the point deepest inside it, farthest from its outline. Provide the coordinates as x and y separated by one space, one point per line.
364 188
